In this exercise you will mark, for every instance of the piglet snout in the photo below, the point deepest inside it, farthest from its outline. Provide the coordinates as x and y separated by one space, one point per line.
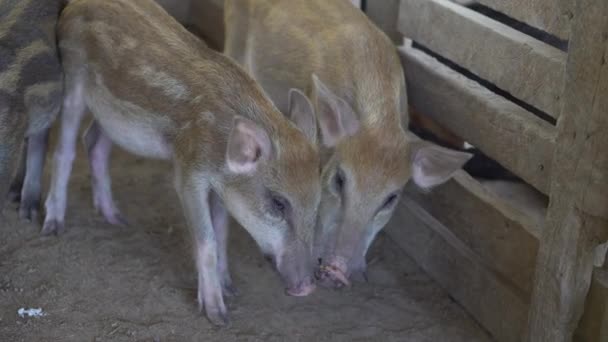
333 274
303 289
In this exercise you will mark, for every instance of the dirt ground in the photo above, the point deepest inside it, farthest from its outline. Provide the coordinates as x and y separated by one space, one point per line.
103 283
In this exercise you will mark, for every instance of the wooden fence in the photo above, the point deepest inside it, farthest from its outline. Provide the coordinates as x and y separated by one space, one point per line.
539 108
525 81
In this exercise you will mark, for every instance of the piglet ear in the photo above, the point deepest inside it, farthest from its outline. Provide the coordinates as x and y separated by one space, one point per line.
434 165
336 117
248 144
301 112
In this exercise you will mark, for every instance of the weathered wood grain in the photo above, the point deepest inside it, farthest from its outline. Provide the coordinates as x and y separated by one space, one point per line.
487 224
552 16
497 305
527 68
506 132
577 218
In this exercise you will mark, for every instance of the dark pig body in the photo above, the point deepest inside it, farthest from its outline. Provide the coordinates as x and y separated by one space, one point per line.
31 90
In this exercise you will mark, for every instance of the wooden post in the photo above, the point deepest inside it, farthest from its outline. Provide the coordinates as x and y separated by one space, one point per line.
577 219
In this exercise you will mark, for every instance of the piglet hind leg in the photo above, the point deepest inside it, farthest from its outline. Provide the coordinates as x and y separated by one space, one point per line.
194 198
12 130
99 146
37 144
14 193
65 152
219 217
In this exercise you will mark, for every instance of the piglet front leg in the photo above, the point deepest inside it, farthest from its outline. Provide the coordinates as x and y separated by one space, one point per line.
37 145
219 217
12 129
65 152
194 193
99 146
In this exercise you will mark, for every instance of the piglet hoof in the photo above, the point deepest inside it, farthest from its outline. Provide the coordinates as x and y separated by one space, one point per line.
29 214
219 319
52 227
229 290
14 194
217 316
214 307
106 207
29 210
117 219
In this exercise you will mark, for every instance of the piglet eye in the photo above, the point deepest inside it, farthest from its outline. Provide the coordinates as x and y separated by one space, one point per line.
390 200
279 204
339 181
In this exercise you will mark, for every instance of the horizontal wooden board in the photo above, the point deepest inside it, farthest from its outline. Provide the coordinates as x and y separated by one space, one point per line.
552 16
495 304
506 132
525 67
503 236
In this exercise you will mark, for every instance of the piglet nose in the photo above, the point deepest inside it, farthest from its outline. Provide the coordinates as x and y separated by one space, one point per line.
304 288
334 273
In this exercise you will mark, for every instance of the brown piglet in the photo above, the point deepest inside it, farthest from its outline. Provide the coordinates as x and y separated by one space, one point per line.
352 77
157 91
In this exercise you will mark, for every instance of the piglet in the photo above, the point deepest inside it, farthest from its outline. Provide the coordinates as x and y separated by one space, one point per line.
157 91
351 75
31 91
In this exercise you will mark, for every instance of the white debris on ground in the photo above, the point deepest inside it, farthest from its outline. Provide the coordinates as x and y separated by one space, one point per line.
31 312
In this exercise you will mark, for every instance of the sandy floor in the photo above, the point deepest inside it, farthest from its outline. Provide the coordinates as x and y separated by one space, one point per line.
103 283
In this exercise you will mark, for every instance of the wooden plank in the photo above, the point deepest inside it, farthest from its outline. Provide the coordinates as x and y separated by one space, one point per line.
577 219
552 16
207 20
385 14
499 307
594 323
527 68
487 224
506 132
